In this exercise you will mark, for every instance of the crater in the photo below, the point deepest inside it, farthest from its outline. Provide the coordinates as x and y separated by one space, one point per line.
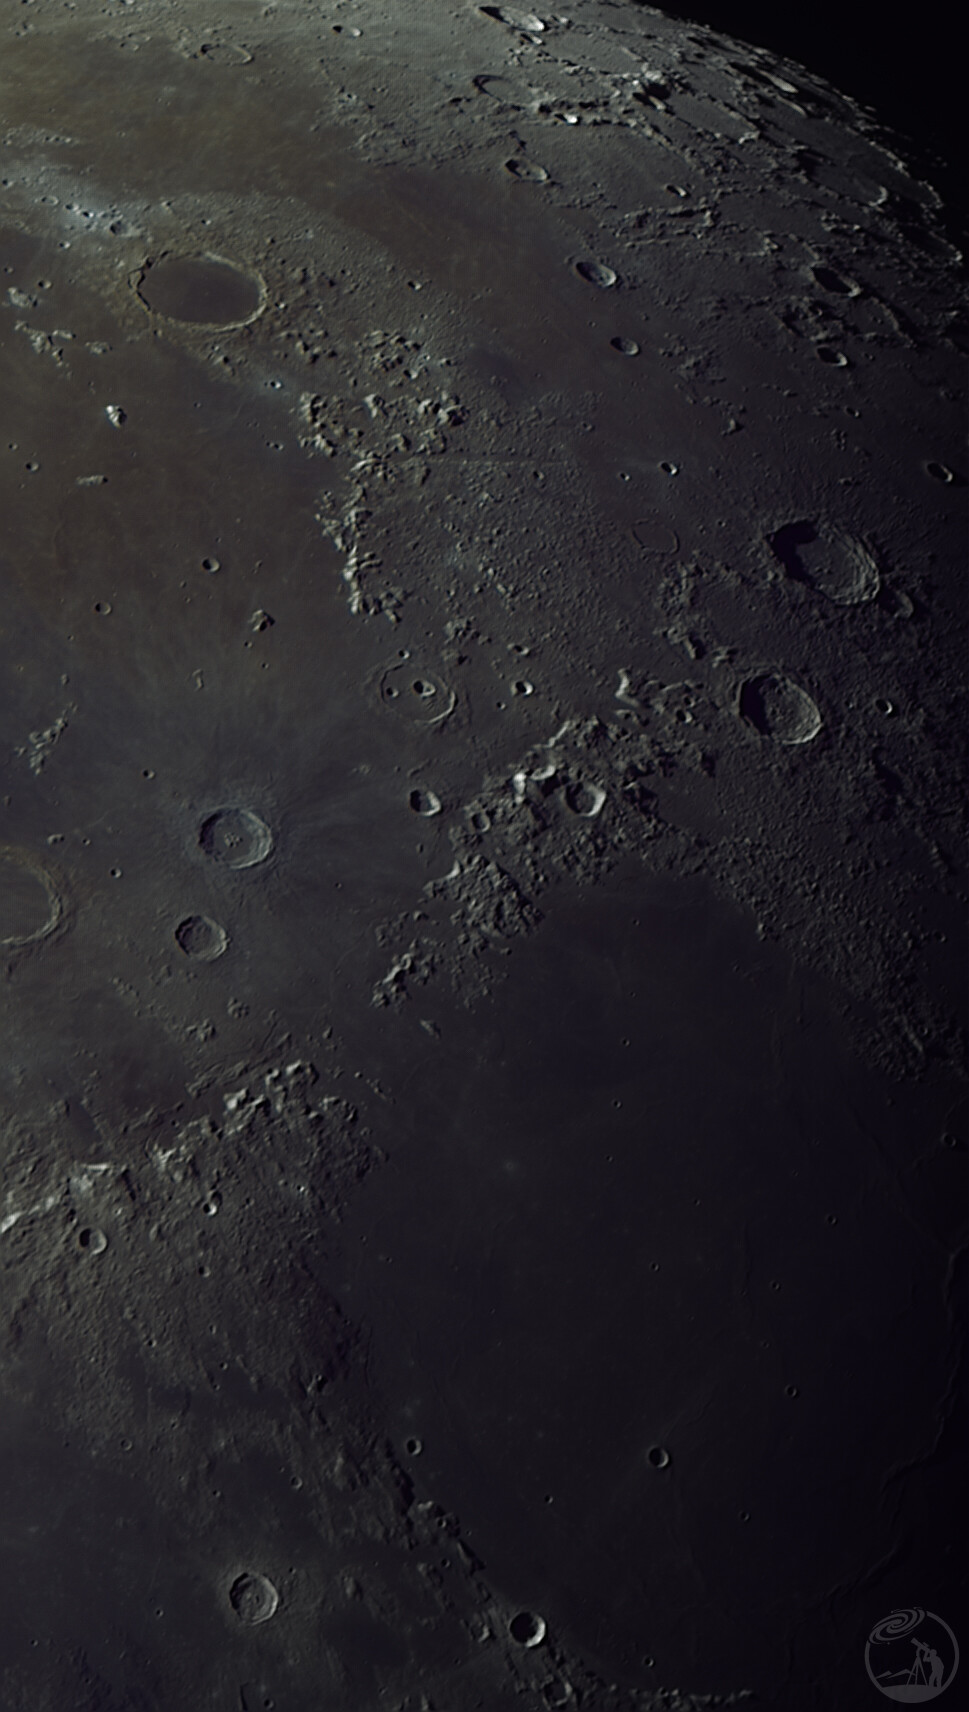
529 171
225 53
596 273
30 907
201 939
93 1241
417 694
425 802
778 708
584 799
235 838
527 1628
527 22
838 565
253 1597
828 280
205 290
509 91
655 536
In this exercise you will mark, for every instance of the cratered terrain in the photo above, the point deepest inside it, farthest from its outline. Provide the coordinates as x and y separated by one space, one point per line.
482 868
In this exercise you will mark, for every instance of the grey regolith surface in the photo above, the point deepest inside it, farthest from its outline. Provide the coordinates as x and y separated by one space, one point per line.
481 863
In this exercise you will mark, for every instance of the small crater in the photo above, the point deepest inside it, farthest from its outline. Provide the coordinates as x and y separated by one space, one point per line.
584 799
522 687
235 837
939 472
658 1456
545 778
832 356
778 708
413 1447
596 273
102 608
211 565
884 706
828 280
203 290
528 171
669 469
253 1597
625 347
558 1691
200 938
92 1241
838 565
527 1628
425 803
115 415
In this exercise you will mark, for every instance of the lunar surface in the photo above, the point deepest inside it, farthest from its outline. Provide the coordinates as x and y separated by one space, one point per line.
482 866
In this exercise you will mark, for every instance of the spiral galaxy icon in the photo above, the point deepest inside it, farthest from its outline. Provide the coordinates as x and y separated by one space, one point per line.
894 1627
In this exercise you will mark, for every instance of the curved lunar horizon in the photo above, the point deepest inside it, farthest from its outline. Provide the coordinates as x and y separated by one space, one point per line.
483 870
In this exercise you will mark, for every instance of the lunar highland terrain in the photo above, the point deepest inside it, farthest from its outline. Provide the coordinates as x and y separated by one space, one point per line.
482 865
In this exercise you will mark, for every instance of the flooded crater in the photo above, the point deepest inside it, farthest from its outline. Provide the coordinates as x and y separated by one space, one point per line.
204 290
30 907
